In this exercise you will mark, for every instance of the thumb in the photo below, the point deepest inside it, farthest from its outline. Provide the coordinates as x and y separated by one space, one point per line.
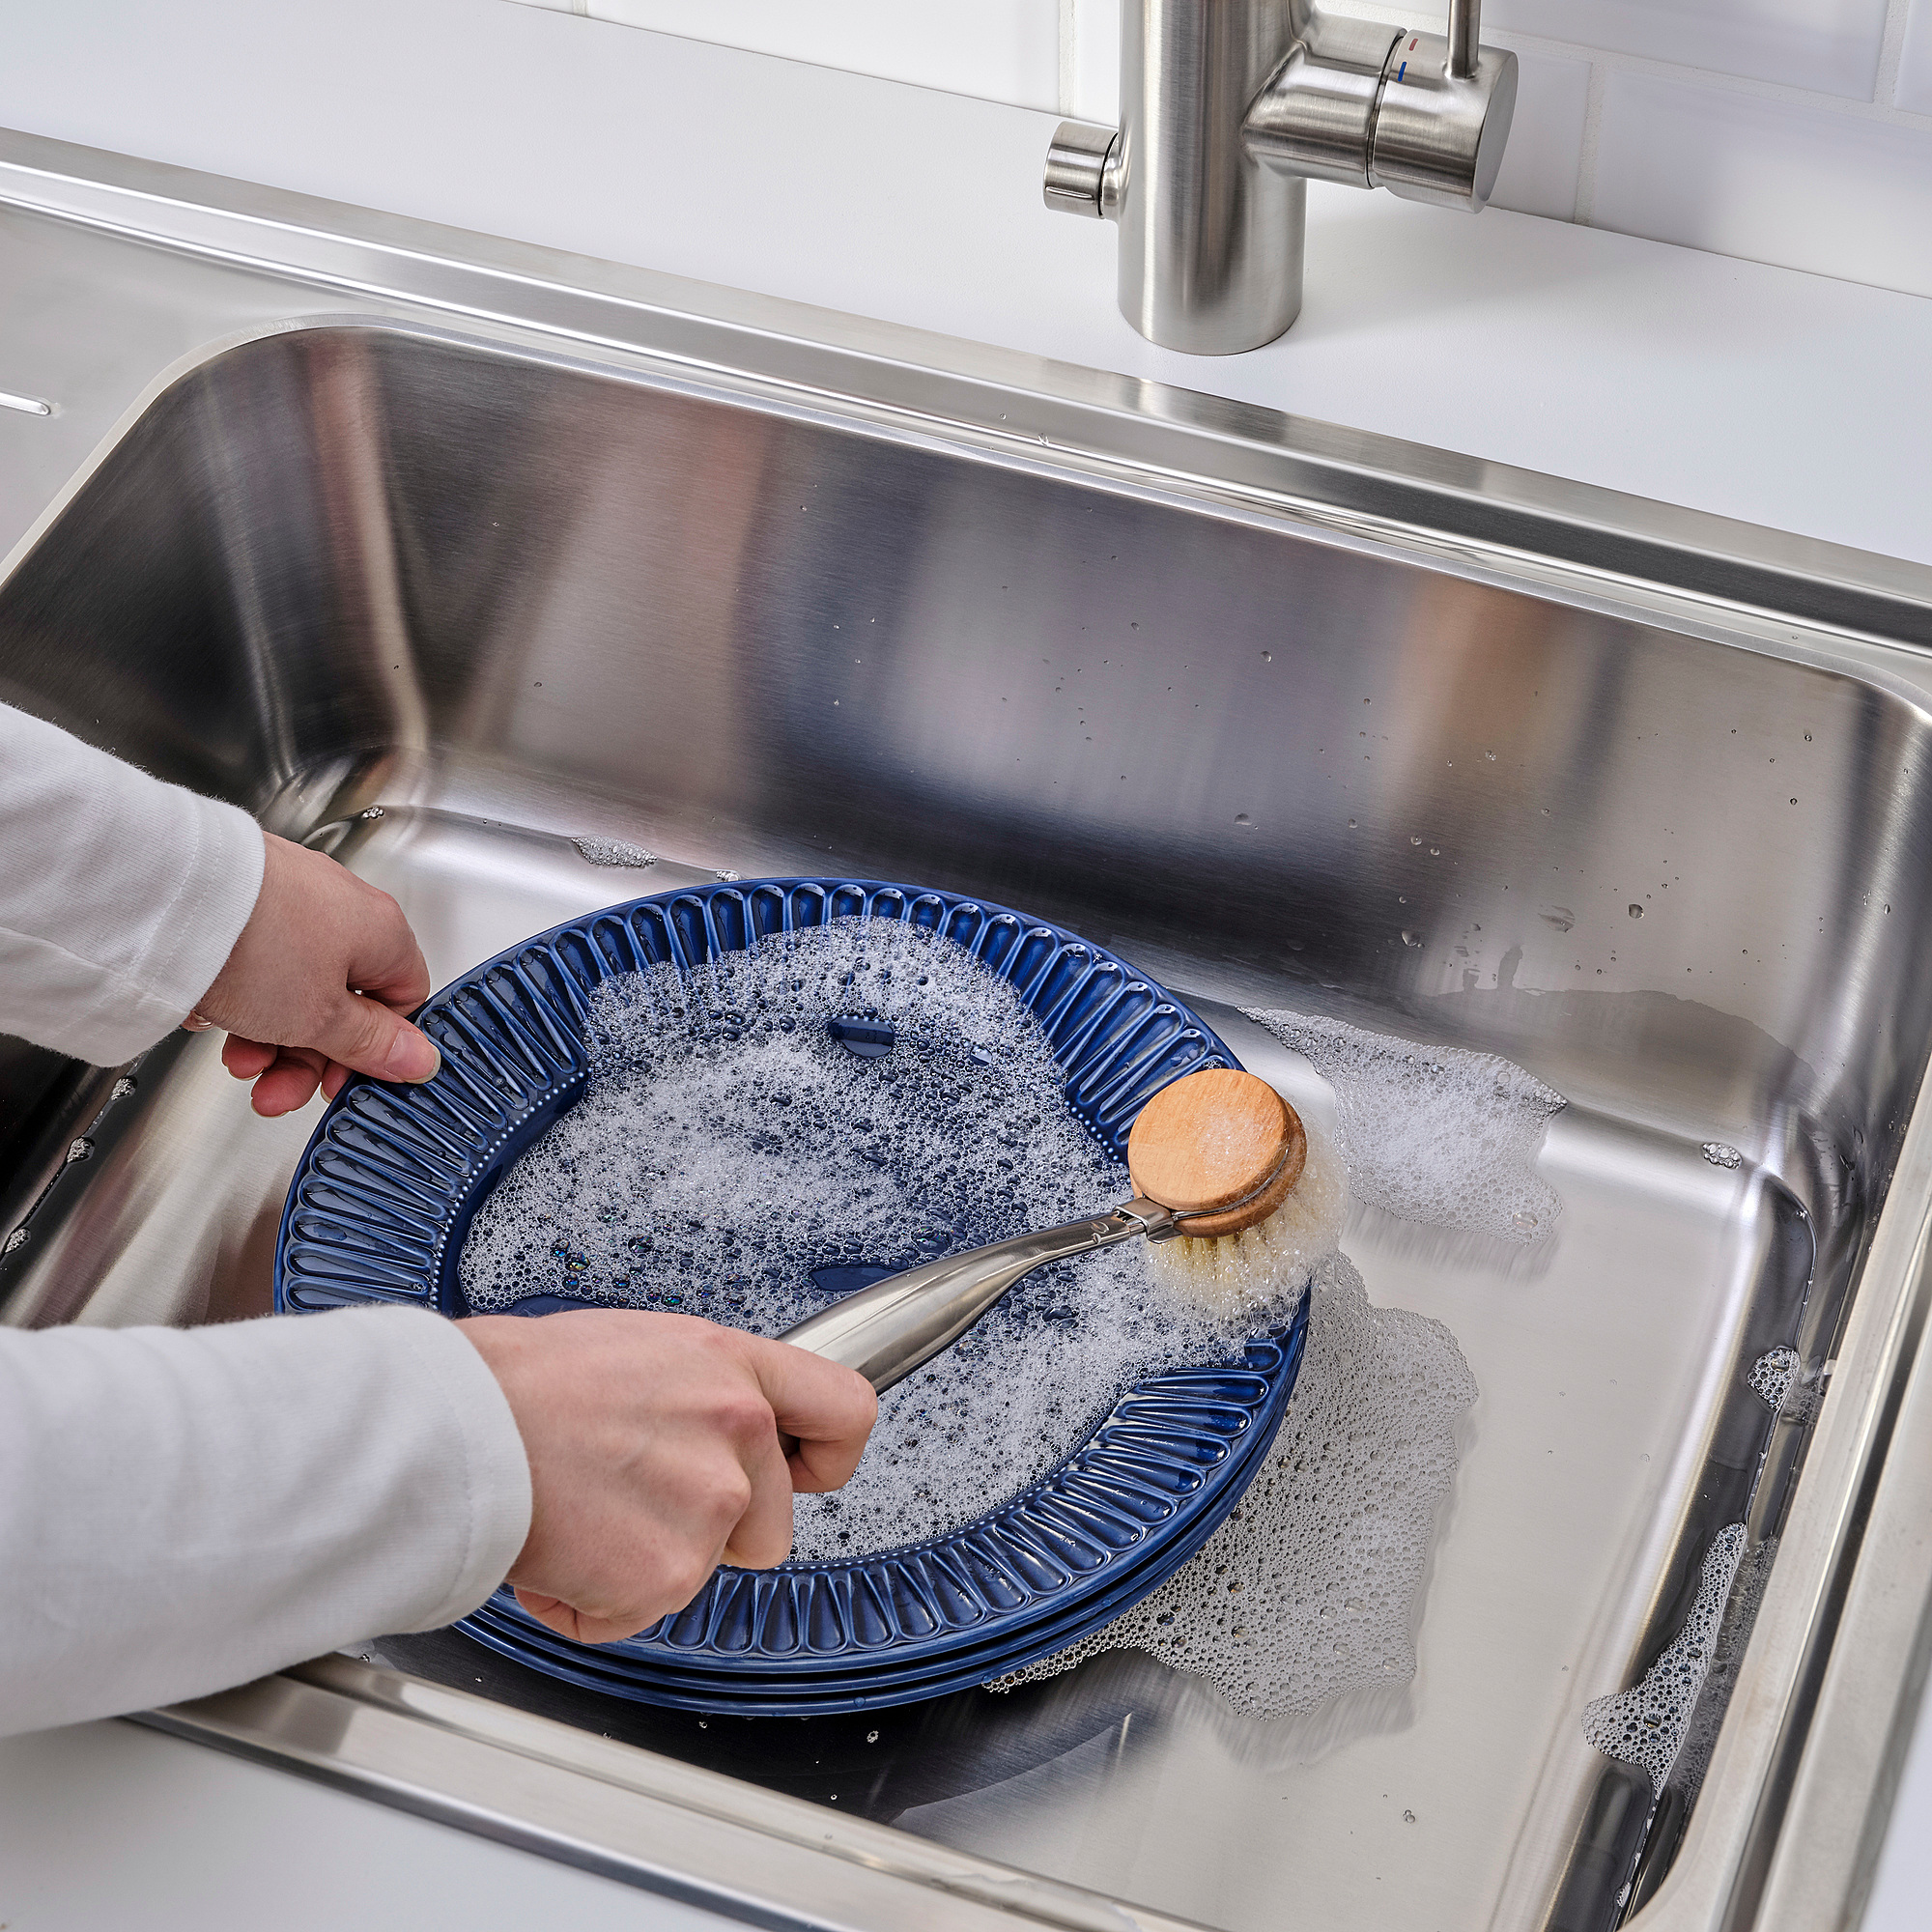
367 1037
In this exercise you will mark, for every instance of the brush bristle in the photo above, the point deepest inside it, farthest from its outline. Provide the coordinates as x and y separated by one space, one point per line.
1264 1266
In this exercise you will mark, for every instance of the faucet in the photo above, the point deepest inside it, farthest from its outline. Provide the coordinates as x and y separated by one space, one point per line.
1229 108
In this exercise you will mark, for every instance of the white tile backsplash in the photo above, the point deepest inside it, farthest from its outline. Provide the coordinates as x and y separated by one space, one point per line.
1827 46
1741 175
1545 144
1095 91
1000 49
1914 65
1795 131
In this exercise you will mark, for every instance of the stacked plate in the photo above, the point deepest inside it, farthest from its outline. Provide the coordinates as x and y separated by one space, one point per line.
386 1192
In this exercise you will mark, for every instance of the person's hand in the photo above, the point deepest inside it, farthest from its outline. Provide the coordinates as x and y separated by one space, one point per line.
660 1446
317 985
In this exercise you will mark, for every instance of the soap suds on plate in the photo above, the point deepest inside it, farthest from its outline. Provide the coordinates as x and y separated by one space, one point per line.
734 1158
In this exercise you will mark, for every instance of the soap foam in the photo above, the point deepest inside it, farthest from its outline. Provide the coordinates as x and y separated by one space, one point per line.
728 1146
1728 1655
1432 1134
1645 1725
614 852
1310 1589
1772 1377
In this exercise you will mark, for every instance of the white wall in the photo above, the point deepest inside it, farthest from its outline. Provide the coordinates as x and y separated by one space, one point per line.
1795 131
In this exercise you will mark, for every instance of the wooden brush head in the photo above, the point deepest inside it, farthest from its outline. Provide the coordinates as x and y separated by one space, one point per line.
1221 1149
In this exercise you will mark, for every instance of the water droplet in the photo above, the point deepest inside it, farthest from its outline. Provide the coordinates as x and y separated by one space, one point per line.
729 878
81 1149
1243 818
1414 839
1267 658
1636 911
872 1737
1436 851
1352 825
372 811
123 1087
1721 1154
18 1239
1412 938
1490 755
1808 737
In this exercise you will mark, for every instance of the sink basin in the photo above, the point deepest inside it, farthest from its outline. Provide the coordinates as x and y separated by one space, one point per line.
1651 819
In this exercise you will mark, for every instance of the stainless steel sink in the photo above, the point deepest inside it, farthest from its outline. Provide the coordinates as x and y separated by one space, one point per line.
449 576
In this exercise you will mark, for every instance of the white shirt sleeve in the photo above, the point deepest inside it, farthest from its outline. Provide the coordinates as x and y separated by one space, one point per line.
181 1510
184 1510
121 897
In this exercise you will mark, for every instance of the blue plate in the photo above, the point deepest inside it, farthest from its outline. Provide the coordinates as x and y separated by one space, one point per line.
384 1197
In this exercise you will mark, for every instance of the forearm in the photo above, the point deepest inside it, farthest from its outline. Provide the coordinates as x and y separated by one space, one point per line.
119 897
183 1511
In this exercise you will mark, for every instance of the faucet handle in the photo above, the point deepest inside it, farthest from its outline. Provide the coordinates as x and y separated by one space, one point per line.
1079 179
1443 117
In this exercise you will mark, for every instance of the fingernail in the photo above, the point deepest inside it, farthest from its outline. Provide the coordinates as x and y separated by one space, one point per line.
411 1057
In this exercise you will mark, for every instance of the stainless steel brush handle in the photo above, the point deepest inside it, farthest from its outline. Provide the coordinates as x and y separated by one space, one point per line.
890 1329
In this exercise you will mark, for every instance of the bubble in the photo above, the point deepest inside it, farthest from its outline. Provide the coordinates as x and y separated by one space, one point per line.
1720 1153
1327 1552
1772 1377
1432 1134
614 852
1645 1724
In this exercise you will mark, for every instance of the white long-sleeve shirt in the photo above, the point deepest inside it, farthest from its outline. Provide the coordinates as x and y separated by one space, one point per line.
183 1510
